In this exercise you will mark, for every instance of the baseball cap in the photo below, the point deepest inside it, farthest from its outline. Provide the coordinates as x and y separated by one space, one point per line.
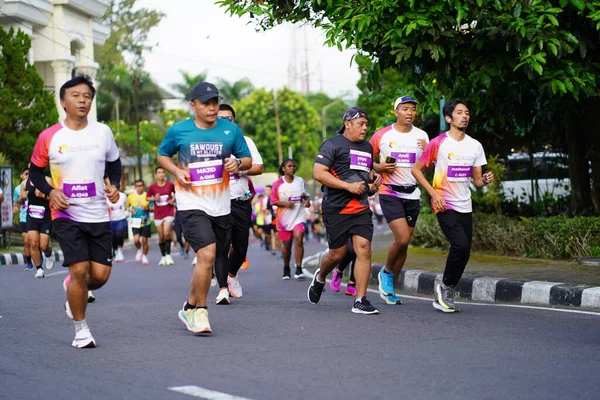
353 113
403 100
203 92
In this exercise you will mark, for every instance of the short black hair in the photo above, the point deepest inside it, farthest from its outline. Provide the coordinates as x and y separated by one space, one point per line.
451 105
139 181
287 160
269 186
159 167
227 107
24 169
77 80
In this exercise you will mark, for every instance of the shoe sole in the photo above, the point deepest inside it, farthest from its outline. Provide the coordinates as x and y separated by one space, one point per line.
440 307
233 295
224 301
381 291
285 278
311 285
203 331
184 320
438 292
388 301
300 278
90 345
39 277
363 312
91 299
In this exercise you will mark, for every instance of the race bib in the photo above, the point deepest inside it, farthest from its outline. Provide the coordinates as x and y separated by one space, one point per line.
234 177
360 160
37 212
79 190
206 173
163 201
405 158
295 199
136 223
459 173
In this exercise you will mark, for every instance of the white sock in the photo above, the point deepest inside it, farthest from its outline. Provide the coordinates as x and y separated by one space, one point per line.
80 325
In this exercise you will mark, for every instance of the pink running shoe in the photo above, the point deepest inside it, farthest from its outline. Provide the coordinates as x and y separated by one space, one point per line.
66 282
336 281
351 290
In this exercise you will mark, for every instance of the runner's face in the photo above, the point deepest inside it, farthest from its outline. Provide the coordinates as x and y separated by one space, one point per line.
357 129
225 114
406 113
139 188
460 117
206 112
289 169
160 175
77 101
268 191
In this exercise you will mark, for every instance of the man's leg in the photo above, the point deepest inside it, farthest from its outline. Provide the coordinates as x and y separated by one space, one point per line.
362 266
329 261
26 248
77 290
240 224
36 253
160 229
145 246
398 250
298 237
202 275
168 235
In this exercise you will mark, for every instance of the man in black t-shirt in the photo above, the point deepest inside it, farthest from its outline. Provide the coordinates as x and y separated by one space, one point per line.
344 168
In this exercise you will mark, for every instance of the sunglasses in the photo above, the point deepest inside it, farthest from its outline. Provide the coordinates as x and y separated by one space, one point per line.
230 119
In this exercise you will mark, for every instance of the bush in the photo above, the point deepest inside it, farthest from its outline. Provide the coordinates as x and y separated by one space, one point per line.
559 238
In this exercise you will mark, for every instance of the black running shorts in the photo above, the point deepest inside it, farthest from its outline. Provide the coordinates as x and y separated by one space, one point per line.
396 208
39 224
340 227
201 230
23 227
144 231
84 241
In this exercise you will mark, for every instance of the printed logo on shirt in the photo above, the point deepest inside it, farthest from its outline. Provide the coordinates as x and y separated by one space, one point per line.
63 148
227 132
202 150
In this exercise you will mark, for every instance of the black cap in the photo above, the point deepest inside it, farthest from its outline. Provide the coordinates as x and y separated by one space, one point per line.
353 113
203 92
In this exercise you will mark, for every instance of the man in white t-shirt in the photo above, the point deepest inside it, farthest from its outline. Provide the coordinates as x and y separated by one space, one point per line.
241 215
398 146
81 153
458 161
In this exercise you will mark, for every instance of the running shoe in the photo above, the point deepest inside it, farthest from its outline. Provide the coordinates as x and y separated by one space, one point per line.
201 324
119 256
223 297
233 284
162 262
213 282
29 267
84 340
39 273
194 261
351 290
91 297
187 317
68 310
336 281
49 261
186 255
246 264
391 299
364 306
299 274
138 256
286 273
66 282
315 289
169 260
181 251
386 282
445 298
145 260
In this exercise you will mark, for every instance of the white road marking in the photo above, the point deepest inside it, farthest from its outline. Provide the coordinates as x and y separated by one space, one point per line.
206 394
57 273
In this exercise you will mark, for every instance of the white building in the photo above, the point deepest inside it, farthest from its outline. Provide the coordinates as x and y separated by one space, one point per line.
63 34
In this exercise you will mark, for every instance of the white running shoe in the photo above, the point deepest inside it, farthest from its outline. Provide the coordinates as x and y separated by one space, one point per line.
145 260
68 310
213 282
235 289
162 262
39 273
223 297
170 260
119 257
49 261
201 324
84 340
194 261
138 256
91 297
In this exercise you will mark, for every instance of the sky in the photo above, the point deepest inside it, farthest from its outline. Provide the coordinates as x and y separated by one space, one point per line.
197 36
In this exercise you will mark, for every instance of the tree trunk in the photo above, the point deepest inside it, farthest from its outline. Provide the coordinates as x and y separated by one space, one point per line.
592 124
581 200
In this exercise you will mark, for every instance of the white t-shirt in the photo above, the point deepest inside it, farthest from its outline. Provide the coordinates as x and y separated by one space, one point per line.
404 148
77 162
117 211
238 184
288 218
454 162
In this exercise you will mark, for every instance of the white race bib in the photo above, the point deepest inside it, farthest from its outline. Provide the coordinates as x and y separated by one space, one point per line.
136 223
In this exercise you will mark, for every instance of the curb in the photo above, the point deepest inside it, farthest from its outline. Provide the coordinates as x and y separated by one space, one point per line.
492 290
19 258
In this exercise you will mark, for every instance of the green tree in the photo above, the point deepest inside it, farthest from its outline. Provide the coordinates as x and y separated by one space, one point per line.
188 83
299 122
27 109
234 91
333 113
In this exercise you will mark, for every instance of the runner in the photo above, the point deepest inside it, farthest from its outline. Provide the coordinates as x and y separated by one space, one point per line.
118 225
39 225
139 207
458 161
20 206
290 196
204 145
162 192
398 146
80 153
241 209
267 211
184 249
344 168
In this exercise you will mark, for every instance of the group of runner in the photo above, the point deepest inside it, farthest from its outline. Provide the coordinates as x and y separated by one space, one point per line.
213 194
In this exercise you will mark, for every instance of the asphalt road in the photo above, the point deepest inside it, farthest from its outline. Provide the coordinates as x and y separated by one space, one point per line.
273 344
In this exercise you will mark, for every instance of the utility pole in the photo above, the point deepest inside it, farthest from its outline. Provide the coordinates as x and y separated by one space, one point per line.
324 117
277 128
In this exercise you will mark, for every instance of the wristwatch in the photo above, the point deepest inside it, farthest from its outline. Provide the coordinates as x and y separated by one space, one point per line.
239 163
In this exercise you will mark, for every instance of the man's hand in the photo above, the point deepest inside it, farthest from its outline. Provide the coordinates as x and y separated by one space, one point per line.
290 204
388 168
422 143
377 180
231 165
58 199
112 193
438 202
183 177
488 178
356 187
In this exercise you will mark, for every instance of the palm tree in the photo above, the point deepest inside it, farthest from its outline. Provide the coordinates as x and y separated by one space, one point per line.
188 83
234 91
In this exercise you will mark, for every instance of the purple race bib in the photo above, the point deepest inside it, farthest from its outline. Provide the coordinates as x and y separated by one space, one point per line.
360 160
205 173
295 199
459 173
78 191
404 158
37 212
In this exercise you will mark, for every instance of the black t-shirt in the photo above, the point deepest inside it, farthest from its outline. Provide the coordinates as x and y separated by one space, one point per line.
38 207
350 162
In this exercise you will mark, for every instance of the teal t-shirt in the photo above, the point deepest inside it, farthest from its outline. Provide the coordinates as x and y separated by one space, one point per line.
23 209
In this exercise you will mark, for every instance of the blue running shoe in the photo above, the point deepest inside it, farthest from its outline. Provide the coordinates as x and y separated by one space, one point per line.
386 283
29 267
391 299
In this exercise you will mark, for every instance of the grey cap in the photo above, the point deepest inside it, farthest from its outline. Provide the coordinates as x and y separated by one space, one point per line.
203 92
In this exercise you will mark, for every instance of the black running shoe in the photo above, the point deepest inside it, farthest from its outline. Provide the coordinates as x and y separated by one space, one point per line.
364 306
287 273
299 275
315 289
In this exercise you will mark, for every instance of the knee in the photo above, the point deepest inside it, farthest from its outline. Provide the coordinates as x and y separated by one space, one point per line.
34 243
336 256
462 246
363 250
402 242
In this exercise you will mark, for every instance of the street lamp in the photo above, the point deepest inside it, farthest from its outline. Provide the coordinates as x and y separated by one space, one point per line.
324 116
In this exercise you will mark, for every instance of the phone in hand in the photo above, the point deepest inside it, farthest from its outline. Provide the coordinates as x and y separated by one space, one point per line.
390 160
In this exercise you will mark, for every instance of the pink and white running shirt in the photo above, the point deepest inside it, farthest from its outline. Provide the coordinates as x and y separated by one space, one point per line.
288 218
454 162
404 148
77 163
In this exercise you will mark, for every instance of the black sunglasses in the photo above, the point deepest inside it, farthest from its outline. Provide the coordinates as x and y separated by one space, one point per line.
230 119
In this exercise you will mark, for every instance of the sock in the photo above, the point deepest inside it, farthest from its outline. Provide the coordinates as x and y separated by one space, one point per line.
202 307
187 306
317 278
168 246
80 325
49 253
27 259
38 266
162 248
385 271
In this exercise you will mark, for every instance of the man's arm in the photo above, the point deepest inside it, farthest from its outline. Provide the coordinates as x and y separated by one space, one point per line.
436 198
325 177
